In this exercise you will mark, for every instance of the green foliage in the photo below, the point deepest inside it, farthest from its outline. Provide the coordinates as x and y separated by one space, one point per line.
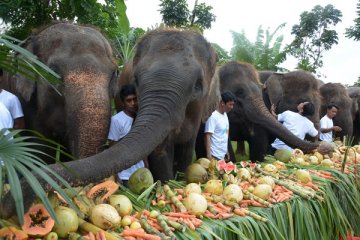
313 36
354 31
176 13
357 83
24 15
222 54
265 53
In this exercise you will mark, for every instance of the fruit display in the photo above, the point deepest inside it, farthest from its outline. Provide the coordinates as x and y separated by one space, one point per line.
276 199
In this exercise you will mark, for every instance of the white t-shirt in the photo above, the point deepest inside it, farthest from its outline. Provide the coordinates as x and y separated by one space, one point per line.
12 103
5 118
326 122
120 126
297 124
218 125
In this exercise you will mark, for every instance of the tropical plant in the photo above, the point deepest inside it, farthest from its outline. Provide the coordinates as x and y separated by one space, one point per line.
176 13
354 31
223 55
313 36
265 53
24 15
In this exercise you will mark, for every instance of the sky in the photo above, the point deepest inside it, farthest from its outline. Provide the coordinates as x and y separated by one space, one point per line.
341 62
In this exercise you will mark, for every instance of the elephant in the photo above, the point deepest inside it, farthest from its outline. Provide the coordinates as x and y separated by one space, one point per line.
250 120
287 90
337 93
354 94
77 113
173 71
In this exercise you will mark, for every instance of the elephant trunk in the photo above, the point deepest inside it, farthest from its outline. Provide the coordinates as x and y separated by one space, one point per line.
87 123
260 115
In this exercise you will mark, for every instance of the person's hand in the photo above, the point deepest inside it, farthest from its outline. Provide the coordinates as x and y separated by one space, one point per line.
337 129
273 109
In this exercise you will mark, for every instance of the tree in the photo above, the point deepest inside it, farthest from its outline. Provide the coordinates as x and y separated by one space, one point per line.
261 54
313 36
354 31
357 83
222 54
176 13
24 15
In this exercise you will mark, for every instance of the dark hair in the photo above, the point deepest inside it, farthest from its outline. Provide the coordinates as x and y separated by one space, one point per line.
127 90
308 109
331 105
227 97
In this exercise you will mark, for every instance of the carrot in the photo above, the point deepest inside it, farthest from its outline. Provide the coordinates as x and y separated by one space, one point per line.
129 238
256 203
197 222
222 206
139 233
240 212
179 214
189 224
90 236
100 235
173 207
209 214
161 197
154 224
179 191
223 216
135 215
311 185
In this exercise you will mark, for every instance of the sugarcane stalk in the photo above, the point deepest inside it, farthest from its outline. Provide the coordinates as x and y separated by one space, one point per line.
88 227
158 189
212 209
162 222
149 229
178 226
169 193
249 213
256 198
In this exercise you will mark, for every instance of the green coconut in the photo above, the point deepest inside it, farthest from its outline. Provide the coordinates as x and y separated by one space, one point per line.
140 180
203 162
195 173
283 155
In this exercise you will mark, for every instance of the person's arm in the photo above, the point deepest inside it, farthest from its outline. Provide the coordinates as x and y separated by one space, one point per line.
207 141
19 123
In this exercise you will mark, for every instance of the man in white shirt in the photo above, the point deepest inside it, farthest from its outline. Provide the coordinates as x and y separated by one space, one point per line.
327 125
121 124
217 129
297 123
5 118
12 103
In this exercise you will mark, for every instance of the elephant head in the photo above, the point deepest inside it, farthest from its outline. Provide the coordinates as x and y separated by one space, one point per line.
250 119
77 113
287 90
172 70
337 93
354 94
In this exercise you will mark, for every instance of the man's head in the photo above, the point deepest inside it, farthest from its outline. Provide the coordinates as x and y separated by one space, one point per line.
129 99
332 110
306 108
227 102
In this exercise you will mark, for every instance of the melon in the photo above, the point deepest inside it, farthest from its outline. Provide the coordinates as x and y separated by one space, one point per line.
283 155
140 180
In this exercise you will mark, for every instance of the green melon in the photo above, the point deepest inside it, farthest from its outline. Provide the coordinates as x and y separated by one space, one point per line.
140 180
283 155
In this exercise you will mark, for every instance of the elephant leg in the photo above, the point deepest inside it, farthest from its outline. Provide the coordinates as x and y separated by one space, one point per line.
231 152
200 149
240 147
161 161
183 155
258 145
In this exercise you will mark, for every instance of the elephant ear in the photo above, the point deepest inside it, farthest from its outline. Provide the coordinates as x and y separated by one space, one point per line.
274 88
213 97
126 77
114 86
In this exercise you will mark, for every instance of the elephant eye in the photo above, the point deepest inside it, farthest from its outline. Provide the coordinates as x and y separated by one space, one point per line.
198 85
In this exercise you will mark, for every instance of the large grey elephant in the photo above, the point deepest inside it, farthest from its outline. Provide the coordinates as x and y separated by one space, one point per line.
173 71
287 90
354 94
337 93
250 120
78 116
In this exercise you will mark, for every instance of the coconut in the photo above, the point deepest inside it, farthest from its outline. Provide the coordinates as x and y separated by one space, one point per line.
267 180
121 203
262 191
319 156
195 173
327 163
298 160
214 187
233 193
195 203
243 173
67 221
314 160
283 155
140 180
192 187
303 175
204 162
105 216
270 168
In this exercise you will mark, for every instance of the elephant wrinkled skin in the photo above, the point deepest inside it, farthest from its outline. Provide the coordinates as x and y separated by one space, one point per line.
354 94
78 118
172 70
